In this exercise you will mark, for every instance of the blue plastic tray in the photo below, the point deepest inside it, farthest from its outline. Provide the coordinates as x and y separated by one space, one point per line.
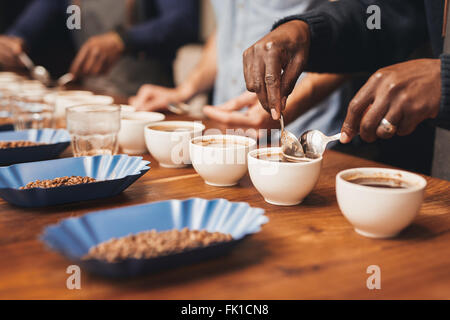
56 142
75 236
115 174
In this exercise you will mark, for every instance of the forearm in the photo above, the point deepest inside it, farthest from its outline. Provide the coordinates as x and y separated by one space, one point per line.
36 19
342 42
310 91
443 118
176 25
203 76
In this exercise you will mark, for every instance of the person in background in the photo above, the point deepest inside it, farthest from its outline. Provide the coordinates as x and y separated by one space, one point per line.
121 44
315 102
397 98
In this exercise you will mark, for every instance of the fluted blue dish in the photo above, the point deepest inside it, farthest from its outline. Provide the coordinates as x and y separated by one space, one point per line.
74 237
113 174
56 141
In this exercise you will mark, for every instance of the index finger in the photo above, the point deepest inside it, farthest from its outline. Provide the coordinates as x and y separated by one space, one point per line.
356 110
78 62
273 83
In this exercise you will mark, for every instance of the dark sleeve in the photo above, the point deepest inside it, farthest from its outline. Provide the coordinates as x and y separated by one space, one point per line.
175 25
40 15
443 118
342 42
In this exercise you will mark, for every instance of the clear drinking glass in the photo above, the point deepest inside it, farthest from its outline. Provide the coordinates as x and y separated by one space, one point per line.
29 111
63 102
7 90
94 129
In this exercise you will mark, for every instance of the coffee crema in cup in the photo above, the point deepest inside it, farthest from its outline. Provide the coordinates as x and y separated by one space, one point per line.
173 128
277 157
379 182
221 143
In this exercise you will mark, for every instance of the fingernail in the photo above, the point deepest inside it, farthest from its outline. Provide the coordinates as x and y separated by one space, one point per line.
274 114
345 138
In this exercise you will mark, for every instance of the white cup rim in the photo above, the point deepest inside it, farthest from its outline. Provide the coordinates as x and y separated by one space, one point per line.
145 116
197 127
252 154
252 142
418 184
94 108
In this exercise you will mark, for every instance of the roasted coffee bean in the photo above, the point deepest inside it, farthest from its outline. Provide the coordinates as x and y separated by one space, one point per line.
151 244
18 144
58 182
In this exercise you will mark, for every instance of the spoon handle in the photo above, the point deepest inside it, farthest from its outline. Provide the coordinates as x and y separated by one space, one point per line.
335 137
25 59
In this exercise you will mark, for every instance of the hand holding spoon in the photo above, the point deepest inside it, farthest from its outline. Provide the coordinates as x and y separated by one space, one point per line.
37 72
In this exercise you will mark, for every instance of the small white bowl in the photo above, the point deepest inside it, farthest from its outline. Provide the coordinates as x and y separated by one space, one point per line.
52 97
171 148
131 134
283 183
379 212
221 166
64 102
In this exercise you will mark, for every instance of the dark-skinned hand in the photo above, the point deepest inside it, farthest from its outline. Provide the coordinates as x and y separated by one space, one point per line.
274 63
10 49
405 94
98 55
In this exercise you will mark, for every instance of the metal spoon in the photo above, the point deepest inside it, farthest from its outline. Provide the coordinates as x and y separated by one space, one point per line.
290 146
314 143
65 79
179 108
38 73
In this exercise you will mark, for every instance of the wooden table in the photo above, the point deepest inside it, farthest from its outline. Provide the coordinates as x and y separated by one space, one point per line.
307 251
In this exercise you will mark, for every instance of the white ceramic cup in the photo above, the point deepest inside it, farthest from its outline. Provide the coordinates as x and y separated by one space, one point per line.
131 134
282 183
221 165
379 212
171 148
53 96
64 102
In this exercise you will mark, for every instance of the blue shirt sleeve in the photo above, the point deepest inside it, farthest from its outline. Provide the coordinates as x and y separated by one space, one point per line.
175 25
37 18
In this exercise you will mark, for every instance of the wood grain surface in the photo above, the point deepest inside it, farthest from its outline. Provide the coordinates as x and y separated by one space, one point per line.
307 251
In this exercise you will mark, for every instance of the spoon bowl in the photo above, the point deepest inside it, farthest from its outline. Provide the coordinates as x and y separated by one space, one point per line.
290 146
314 143
311 144
42 75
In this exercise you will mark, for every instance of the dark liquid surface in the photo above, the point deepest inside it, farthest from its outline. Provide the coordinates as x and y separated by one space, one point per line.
377 182
276 157
173 128
220 143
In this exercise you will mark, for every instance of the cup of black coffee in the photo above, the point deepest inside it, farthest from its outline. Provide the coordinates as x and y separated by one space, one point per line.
379 202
